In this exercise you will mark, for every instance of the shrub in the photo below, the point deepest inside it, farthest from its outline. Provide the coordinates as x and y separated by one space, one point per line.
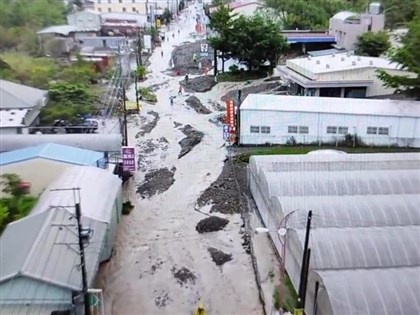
147 95
127 208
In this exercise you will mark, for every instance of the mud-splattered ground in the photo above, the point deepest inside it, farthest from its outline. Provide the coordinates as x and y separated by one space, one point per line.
193 137
156 182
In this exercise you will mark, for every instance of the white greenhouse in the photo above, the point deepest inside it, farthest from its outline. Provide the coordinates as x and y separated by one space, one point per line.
365 253
277 119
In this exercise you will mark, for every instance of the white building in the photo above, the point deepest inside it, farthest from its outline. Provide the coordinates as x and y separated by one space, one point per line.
20 106
276 119
338 75
347 26
134 6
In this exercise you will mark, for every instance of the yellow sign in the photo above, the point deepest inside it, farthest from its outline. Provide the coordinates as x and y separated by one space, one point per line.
158 23
299 311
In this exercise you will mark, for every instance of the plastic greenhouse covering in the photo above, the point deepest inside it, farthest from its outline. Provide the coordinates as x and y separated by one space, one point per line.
364 240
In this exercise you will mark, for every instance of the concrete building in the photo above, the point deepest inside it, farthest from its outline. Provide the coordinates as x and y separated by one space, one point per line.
40 259
134 6
276 119
40 165
85 20
348 26
365 225
338 75
20 106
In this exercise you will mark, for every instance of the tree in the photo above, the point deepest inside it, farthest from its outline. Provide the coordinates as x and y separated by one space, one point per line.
166 16
372 44
256 41
11 185
221 23
408 56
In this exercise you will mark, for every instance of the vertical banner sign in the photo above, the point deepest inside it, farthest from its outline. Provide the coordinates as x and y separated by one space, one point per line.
231 118
226 132
128 158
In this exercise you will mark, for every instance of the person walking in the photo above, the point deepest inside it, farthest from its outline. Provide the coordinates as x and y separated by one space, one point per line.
161 53
178 32
171 100
186 79
180 90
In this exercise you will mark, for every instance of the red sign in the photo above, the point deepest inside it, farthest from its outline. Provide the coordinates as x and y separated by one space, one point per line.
231 118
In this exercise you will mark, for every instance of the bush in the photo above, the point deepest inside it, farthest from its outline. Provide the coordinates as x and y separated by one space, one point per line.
276 298
147 95
141 72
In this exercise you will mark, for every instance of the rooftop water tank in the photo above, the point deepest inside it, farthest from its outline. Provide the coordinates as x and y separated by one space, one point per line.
375 8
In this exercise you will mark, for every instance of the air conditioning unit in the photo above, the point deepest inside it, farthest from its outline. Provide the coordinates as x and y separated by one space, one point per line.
342 58
327 66
353 63
359 59
318 62
370 62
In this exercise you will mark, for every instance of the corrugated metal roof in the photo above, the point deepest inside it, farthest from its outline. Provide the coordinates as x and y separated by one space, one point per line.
344 15
14 95
66 29
93 182
95 142
333 105
52 151
44 247
32 309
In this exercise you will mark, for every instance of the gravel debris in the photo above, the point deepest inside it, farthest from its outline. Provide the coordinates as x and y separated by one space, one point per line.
255 89
196 104
147 126
219 257
211 224
183 275
156 182
199 84
182 58
193 137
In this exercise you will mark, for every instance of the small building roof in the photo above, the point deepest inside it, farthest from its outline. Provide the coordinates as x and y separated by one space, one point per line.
340 62
42 247
18 96
12 117
54 152
345 106
344 15
95 142
92 182
65 30
307 37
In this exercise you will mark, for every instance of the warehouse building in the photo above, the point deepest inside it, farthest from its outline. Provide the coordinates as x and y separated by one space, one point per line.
39 165
277 119
339 75
40 258
364 244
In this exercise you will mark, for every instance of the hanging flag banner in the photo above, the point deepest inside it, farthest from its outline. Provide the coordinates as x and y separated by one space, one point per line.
226 132
231 119
128 158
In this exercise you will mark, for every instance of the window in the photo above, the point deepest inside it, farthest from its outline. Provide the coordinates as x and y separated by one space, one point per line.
255 129
331 129
120 1
372 130
109 1
100 9
99 1
292 129
124 9
343 130
134 9
303 129
265 129
133 1
109 10
383 131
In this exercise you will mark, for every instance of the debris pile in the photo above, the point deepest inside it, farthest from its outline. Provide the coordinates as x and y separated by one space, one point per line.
199 84
183 275
156 182
211 224
219 257
193 137
196 104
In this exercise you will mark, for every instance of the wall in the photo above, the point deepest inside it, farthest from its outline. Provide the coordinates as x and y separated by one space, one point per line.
85 20
402 130
33 171
8 131
113 227
24 290
115 6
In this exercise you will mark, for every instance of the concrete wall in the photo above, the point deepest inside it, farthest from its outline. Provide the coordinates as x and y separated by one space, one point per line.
9 131
34 172
403 131
22 290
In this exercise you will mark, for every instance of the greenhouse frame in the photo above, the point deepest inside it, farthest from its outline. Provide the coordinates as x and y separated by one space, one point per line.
364 238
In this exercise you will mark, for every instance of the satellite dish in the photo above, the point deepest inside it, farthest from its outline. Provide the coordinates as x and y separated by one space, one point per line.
282 231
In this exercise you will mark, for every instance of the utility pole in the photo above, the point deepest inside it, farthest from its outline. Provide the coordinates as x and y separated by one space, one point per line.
82 259
305 265
125 119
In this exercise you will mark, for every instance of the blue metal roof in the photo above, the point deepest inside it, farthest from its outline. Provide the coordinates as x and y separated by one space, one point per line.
55 152
309 39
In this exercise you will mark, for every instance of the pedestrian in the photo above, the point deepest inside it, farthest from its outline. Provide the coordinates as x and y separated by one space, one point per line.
173 35
178 32
195 58
171 100
180 90
186 78
161 53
